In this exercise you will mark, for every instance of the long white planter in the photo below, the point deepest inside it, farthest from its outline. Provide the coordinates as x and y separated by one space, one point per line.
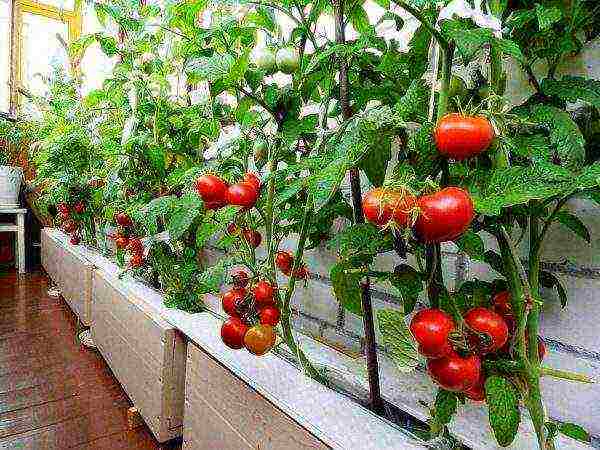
72 271
146 354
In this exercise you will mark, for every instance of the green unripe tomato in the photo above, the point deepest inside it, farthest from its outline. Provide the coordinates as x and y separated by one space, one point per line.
259 149
288 60
264 59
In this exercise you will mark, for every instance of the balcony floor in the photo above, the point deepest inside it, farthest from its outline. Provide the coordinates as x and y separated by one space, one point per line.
54 393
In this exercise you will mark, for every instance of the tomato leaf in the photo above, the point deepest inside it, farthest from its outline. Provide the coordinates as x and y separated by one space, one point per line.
346 287
550 281
503 405
409 284
397 340
375 163
574 223
472 244
571 89
547 16
574 431
444 408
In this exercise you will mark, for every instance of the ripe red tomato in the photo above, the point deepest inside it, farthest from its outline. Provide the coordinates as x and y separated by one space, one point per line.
444 215
64 215
242 194
490 331
431 328
455 373
263 293
79 207
381 205
136 261
75 240
284 261
232 228
62 207
212 189
240 278
70 226
123 220
269 315
460 137
260 339
502 305
232 299
477 391
233 332
253 237
121 242
214 205
252 179
135 245
302 273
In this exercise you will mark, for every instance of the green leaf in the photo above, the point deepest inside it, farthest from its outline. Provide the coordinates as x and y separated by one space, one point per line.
409 283
444 408
180 221
503 405
359 19
108 44
468 41
205 231
346 287
472 244
574 431
397 340
494 260
572 89
574 223
565 135
360 239
413 104
211 68
374 164
547 16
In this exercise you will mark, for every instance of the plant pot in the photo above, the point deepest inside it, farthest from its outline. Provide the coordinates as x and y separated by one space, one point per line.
10 186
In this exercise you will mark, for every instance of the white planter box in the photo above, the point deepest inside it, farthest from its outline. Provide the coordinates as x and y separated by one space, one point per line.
10 186
71 270
146 354
222 412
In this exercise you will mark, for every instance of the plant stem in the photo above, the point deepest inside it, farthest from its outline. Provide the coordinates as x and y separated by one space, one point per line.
375 400
566 375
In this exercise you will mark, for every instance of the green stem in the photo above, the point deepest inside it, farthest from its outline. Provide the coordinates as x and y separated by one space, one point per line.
447 57
269 216
439 37
565 375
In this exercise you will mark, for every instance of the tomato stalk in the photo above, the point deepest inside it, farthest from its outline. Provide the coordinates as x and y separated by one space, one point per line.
375 399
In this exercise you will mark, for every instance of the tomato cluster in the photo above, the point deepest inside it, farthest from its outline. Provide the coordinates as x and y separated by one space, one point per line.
440 217
286 59
284 260
455 353
70 217
124 240
253 314
216 192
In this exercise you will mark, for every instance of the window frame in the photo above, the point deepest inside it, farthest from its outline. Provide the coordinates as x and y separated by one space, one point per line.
73 20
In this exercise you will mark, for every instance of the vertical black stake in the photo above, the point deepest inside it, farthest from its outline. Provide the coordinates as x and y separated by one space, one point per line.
375 400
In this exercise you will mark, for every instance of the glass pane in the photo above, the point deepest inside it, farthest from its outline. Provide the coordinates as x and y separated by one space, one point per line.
95 65
42 51
4 55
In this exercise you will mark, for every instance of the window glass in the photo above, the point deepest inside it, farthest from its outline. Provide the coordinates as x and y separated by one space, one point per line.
68 5
42 51
4 55
96 66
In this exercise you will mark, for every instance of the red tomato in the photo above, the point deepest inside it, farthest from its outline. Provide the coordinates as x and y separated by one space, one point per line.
64 215
135 245
455 373
232 299
460 137
431 329
240 278
253 237
70 226
79 207
62 207
381 205
444 215
232 228
490 329
502 305
260 339
215 205
136 261
75 240
302 273
252 178
263 293
477 391
242 194
121 242
541 348
284 261
269 315
123 220
212 189
233 332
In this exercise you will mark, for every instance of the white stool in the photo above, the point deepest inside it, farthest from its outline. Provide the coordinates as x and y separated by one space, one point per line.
19 230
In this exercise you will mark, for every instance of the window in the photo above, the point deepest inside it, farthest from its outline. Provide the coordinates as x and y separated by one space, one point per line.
34 46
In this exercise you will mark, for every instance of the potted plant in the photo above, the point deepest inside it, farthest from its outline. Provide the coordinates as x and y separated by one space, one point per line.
11 178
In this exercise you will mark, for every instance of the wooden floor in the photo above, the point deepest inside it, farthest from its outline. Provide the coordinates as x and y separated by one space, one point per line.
55 394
